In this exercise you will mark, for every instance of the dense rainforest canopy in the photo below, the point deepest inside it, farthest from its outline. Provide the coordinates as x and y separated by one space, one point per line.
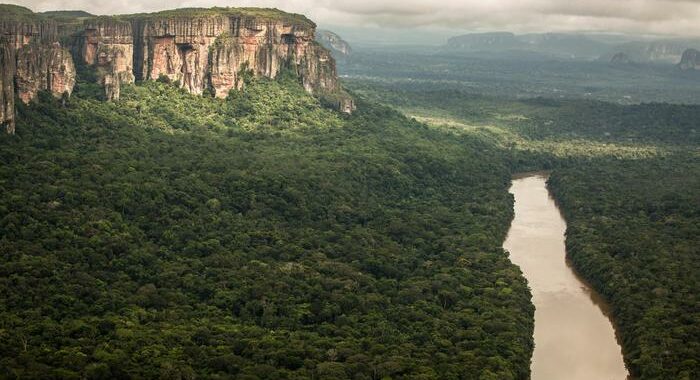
261 237
633 230
627 178
264 236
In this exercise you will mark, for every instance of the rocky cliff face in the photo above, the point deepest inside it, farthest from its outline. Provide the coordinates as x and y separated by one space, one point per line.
7 88
333 42
690 60
31 60
203 50
107 45
207 50
43 67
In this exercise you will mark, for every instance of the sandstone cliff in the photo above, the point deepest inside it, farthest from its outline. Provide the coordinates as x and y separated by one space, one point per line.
31 60
202 50
690 60
107 45
7 88
207 50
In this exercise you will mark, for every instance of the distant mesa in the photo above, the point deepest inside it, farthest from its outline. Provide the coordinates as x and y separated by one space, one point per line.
340 48
690 60
667 51
547 45
486 41
607 48
621 59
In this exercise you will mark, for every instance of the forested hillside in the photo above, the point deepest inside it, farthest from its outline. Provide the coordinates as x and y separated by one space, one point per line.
633 230
626 177
258 237
264 235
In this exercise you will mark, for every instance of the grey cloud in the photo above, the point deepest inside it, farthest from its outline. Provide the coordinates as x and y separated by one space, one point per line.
674 17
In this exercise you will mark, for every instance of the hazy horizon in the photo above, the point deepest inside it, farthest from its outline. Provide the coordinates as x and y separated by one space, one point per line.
662 18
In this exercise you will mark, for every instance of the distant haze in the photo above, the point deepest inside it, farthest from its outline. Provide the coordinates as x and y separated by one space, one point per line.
649 17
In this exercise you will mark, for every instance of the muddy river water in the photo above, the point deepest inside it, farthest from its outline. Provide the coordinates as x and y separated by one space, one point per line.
574 339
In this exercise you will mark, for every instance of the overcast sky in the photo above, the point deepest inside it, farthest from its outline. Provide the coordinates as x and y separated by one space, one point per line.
671 17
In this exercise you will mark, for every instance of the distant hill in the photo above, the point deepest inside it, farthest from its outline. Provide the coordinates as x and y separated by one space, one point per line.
690 60
544 45
66 14
566 45
572 46
621 59
658 51
340 48
486 41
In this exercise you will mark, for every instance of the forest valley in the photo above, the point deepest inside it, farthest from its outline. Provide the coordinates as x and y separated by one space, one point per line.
266 235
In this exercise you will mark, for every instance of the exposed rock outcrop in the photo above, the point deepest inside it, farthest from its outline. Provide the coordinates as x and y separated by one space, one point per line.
690 60
7 88
340 49
31 60
43 67
202 50
207 50
108 45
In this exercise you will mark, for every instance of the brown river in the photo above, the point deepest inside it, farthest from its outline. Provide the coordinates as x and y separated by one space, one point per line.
574 339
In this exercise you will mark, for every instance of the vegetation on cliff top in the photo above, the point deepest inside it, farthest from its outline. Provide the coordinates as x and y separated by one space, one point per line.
11 12
260 13
66 14
263 14
19 13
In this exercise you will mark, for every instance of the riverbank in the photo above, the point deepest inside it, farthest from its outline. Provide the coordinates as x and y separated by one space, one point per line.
574 338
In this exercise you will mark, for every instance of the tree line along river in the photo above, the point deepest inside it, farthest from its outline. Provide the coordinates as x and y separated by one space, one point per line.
574 338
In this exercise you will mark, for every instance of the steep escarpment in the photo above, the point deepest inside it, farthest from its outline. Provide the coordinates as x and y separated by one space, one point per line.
31 60
690 60
7 88
44 67
204 51
106 44
207 50
337 45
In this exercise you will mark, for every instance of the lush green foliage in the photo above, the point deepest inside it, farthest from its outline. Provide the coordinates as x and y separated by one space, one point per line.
627 177
633 229
266 237
259 13
540 119
16 13
261 237
430 69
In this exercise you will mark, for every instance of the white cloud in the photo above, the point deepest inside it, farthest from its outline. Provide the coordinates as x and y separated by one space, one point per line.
676 17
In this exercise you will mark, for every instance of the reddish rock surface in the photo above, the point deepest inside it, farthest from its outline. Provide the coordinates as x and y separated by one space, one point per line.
202 50
207 53
31 60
